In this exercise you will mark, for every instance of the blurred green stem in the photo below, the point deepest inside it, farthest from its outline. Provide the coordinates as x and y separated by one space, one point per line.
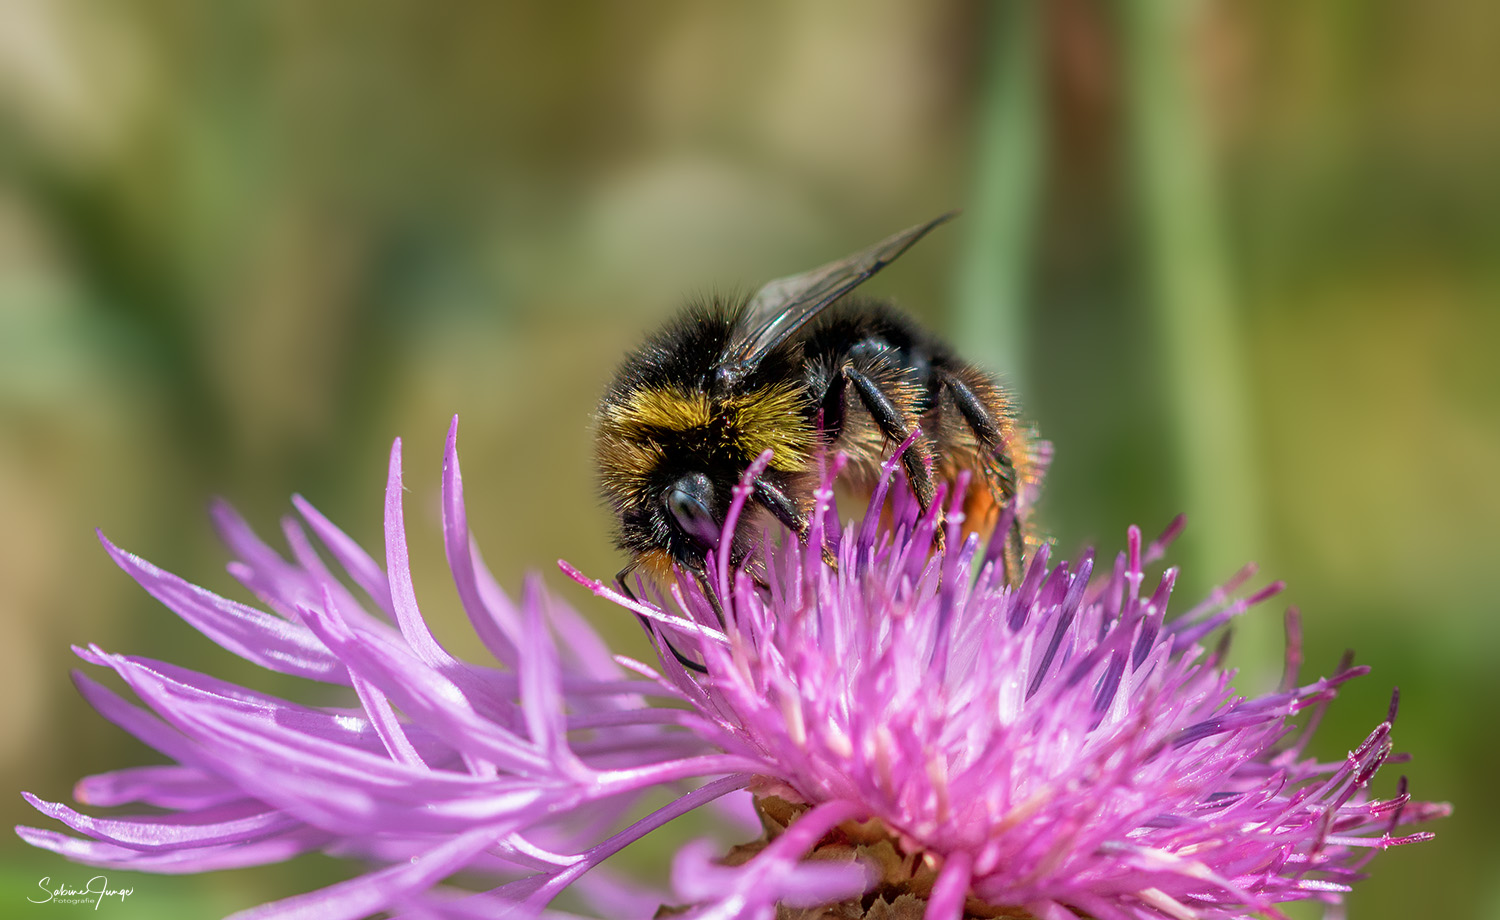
1000 213
1192 299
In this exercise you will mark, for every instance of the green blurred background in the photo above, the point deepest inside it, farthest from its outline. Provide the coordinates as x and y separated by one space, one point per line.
1239 260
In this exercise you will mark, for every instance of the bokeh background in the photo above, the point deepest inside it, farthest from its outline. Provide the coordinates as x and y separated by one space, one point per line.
1238 260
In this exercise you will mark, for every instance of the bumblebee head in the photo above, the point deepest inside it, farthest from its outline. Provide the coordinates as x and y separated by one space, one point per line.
665 474
672 442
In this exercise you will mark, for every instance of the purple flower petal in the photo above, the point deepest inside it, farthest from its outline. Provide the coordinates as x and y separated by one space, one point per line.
178 861
234 823
496 624
172 787
362 569
360 897
258 637
774 876
1060 746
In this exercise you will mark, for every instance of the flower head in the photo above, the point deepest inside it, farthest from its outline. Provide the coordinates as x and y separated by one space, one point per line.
921 738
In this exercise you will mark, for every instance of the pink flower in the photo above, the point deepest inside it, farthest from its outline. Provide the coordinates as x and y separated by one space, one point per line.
926 733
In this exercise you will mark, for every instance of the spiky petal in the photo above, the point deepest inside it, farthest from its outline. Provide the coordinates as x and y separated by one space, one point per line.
1058 748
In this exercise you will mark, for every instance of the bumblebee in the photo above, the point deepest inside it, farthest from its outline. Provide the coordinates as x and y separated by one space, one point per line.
798 368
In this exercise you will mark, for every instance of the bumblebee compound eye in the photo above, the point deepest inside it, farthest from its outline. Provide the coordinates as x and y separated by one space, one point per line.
689 502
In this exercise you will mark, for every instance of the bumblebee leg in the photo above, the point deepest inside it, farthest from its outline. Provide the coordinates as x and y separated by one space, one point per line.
682 659
975 412
785 510
987 431
894 426
917 461
624 587
705 584
982 422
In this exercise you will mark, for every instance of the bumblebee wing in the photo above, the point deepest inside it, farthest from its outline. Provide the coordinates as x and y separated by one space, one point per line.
785 305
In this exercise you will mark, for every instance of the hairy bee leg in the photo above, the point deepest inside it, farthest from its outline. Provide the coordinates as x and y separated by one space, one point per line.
894 426
682 659
988 433
917 460
781 505
969 404
785 510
